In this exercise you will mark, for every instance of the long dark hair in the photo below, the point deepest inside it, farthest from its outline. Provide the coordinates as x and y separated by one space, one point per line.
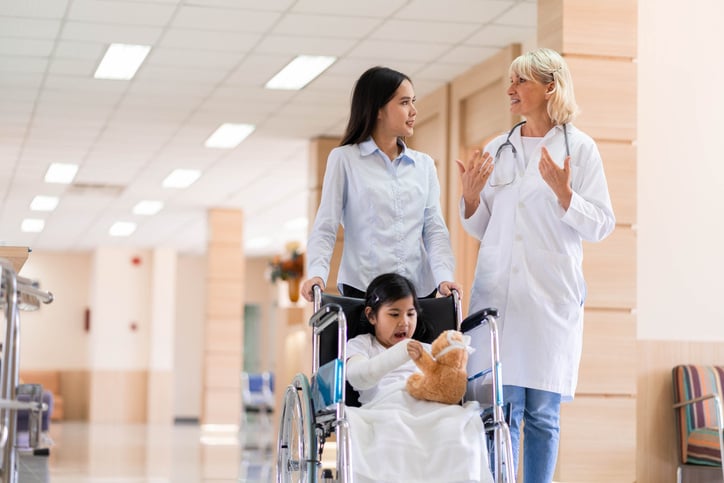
391 287
373 90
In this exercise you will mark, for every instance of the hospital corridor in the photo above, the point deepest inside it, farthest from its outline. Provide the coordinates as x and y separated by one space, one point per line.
138 453
176 179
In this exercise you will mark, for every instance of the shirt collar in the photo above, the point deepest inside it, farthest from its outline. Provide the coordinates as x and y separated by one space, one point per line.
369 147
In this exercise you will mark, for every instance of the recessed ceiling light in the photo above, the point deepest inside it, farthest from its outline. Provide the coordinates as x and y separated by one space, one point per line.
44 203
229 136
121 61
32 225
147 207
61 173
122 228
300 72
181 178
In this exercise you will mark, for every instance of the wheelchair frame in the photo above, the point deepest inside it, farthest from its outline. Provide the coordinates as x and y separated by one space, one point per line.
303 429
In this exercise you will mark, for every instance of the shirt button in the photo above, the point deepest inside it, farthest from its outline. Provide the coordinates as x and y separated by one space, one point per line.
521 205
515 270
518 237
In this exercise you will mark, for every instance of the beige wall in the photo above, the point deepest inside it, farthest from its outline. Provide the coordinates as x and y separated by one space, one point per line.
681 172
54 336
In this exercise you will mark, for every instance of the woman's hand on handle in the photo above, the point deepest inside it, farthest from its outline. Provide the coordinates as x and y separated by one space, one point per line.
474 174
446 288
307 291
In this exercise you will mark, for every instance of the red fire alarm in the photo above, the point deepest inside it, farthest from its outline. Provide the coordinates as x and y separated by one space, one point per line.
136 260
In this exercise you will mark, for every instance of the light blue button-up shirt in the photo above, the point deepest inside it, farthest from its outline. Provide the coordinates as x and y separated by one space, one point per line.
391 214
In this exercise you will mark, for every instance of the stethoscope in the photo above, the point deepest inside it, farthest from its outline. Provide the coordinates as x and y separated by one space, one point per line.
514 168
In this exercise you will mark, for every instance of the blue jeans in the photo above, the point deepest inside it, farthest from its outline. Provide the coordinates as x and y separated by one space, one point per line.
541 412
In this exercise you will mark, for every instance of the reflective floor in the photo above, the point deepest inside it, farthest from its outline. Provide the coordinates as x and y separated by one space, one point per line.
105 453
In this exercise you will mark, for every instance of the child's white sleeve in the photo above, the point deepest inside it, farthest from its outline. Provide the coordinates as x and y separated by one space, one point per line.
364 373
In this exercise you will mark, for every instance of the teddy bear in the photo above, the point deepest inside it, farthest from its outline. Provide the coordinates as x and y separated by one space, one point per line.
444 377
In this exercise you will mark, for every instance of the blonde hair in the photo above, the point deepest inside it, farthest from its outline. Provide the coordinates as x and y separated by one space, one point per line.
545 66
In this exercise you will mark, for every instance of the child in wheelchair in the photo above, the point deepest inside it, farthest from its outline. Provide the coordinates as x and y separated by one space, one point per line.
397 438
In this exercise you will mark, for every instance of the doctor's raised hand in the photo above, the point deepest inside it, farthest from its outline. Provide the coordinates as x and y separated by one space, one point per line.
558 179
474 175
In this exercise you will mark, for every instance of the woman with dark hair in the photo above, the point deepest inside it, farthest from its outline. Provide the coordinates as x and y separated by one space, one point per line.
385 195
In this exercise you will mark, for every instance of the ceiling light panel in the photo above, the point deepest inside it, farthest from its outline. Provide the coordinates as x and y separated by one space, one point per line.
121 61
147 207
62 173
300 72
229 136
122 228
44 203
181 178
32 225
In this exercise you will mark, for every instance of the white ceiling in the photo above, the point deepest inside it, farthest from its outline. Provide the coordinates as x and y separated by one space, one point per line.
208 64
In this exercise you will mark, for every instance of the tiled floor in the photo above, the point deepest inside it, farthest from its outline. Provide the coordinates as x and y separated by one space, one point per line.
103 453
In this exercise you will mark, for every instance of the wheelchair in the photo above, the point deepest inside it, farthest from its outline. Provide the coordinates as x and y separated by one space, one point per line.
313 409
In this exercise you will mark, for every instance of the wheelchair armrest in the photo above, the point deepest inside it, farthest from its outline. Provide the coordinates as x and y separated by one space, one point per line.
477 318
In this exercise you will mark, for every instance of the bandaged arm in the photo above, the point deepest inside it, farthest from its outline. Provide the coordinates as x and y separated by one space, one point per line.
364 373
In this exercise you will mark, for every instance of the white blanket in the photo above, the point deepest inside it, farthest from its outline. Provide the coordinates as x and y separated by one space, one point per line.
397 438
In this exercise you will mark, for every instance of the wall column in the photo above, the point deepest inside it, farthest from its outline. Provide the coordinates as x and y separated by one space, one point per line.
598 429
161 342
224 326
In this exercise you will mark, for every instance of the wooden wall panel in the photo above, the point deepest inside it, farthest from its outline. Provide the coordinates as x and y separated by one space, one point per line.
598 439
591 27
431 134
470 116
600 28
220 256
608 361
656 434
75 389
159 407
221 405
223 335
222 361
606 92
319 150
610 270
226 224
221 369
224 298
619 162
486 113
118 396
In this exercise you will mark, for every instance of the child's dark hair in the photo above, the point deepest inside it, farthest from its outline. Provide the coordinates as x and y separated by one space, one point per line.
391 287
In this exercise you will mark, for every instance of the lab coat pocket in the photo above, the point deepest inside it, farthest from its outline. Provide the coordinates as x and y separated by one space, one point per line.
487 284
556 277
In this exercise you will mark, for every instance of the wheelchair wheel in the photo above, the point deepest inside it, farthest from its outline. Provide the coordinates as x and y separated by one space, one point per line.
296 444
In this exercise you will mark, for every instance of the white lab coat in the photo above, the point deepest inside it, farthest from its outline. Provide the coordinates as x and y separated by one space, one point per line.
529 262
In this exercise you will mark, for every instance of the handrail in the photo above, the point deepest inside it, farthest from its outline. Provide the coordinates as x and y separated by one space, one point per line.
12 287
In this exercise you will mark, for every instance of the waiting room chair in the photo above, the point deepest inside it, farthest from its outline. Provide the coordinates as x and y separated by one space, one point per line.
699 417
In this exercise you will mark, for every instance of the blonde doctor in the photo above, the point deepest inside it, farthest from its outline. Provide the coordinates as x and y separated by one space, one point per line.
531 198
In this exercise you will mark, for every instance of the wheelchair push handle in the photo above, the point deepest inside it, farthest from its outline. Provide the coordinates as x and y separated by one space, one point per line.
317 294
